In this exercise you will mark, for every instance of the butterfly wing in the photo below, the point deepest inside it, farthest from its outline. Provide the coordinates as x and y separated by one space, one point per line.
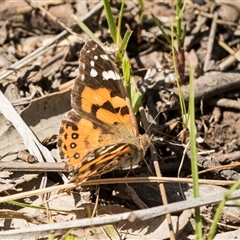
98 93
101 121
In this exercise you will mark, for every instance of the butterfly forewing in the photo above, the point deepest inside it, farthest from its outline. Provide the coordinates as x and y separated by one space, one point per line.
99 90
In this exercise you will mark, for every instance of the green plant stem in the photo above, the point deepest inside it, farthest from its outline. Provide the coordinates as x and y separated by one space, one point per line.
181 99
194 165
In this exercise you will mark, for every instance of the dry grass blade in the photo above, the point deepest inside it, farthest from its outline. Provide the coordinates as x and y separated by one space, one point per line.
113 181
29 139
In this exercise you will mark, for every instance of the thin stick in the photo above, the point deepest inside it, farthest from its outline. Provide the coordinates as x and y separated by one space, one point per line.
159 174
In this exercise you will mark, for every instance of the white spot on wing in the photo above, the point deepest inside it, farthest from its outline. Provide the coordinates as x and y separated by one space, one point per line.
104 56
110 75
95 57
92 63
82 77
93 73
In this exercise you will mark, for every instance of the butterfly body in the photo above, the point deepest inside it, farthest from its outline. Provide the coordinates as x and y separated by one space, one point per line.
100 133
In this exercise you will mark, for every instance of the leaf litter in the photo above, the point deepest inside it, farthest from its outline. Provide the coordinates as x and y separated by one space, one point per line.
38 60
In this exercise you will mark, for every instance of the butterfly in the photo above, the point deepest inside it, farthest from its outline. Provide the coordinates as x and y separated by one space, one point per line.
100 133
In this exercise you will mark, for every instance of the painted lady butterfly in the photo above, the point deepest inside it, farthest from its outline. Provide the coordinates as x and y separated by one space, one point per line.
100 133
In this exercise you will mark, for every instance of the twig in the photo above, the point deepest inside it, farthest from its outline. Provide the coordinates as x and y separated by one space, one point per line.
33 167
158 173
212 84
224 102
211 41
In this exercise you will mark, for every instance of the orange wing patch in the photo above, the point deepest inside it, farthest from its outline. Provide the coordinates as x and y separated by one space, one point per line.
76 140
106 108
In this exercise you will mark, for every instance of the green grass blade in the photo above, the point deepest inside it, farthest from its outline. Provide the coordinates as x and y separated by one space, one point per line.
126 67
220 209
26 205
122 48
110 20
120 23
86 29
134 95
168 39
140 4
